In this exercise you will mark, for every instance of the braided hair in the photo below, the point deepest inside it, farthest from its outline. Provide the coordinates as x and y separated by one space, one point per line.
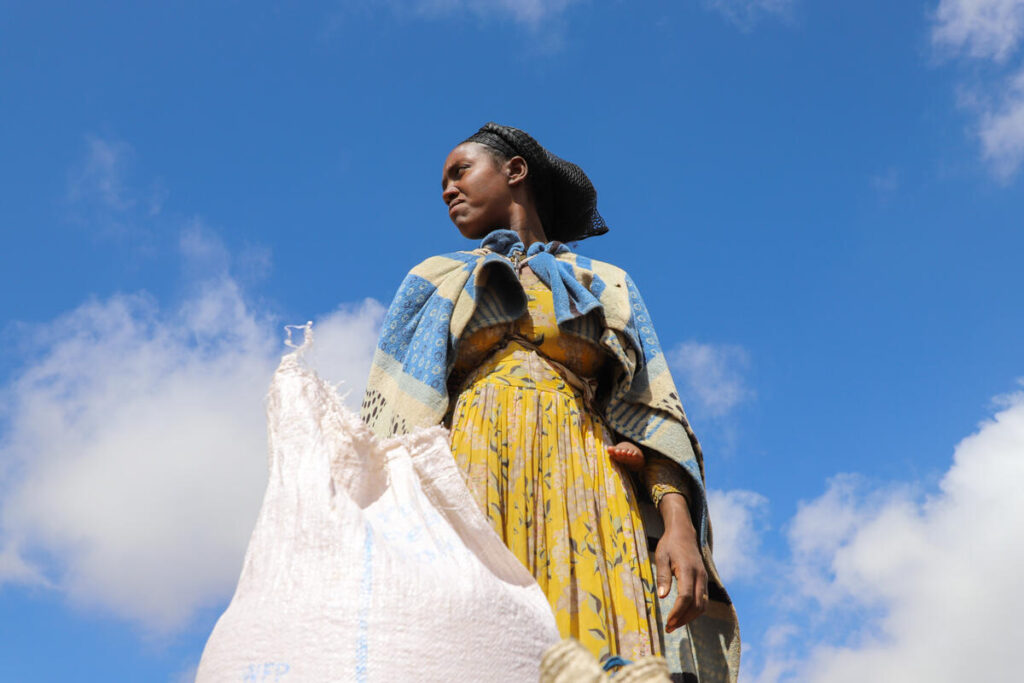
565 198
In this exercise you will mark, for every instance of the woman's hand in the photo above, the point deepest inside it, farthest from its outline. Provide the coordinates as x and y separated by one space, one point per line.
678 555
628 455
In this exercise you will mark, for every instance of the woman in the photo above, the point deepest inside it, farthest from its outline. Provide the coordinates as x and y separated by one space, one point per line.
563 416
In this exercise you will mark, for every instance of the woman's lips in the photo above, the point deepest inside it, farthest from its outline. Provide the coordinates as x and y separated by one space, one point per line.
453 205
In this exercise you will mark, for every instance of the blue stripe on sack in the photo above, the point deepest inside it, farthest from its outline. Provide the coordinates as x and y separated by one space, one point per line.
365 595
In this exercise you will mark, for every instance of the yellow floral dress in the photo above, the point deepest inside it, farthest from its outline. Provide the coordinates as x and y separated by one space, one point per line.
533 453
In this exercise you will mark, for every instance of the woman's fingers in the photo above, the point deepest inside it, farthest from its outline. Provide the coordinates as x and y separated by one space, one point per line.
699 583
679 615
663 565
701 593
691 584
683 606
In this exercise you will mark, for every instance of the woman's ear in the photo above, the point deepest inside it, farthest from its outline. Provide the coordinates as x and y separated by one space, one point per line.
517 170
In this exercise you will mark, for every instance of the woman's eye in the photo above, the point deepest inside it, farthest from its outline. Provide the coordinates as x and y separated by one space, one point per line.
456 172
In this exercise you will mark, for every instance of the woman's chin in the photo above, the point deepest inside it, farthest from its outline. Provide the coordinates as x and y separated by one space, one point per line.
472 231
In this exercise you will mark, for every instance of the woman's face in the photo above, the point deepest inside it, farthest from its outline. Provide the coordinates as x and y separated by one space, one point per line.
475 188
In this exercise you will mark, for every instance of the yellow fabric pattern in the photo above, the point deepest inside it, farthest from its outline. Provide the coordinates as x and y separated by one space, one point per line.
534 456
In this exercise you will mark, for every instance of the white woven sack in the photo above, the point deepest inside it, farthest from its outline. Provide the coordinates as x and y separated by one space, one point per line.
370 561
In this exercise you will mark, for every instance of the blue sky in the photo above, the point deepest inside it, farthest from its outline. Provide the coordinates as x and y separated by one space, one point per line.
820 201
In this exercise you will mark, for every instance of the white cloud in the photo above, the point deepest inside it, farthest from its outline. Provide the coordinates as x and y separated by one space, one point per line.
533 13
344 342
14 568
982 28
529 12
738 517
710 376
100 174
910 588
745 12
1001 130
991 30
103 193
134 457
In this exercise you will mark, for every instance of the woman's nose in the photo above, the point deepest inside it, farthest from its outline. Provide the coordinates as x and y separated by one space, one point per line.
449 193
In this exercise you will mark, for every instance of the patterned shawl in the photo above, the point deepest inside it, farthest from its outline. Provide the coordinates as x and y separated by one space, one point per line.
447 297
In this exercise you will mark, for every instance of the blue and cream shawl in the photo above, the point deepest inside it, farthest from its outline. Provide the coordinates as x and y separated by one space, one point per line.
447 297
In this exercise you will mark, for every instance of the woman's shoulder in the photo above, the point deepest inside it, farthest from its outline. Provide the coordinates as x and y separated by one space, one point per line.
609 273
445 263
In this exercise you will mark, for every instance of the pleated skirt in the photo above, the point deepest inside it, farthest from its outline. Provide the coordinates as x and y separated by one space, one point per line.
535 460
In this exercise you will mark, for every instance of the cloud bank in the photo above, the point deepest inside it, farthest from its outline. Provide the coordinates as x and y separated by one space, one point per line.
134 455
739 520
908 587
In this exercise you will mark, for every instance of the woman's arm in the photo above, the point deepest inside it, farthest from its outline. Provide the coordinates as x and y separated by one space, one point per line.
678 555
645 408
678 550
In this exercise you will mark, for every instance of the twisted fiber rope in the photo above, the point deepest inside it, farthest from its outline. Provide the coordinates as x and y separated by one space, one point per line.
570 662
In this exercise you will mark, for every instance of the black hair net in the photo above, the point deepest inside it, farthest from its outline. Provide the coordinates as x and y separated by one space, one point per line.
566 199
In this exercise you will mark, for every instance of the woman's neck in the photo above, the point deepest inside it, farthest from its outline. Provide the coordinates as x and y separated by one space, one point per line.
525 222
